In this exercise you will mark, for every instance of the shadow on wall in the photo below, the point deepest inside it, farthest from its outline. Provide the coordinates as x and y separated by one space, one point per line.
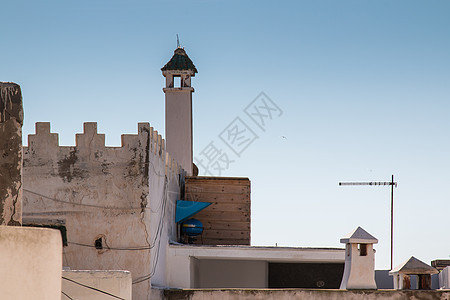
383 279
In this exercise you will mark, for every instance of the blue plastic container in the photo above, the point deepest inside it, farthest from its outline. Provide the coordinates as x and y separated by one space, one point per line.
192 227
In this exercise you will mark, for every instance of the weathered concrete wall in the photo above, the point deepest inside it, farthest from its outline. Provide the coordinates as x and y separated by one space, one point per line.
288 294
107 193
11 120
31 263
117 283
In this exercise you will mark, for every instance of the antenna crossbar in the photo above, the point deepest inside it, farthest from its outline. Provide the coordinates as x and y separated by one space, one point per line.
369 183
393 184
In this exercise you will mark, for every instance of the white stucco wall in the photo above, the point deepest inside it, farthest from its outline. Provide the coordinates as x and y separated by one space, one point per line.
31 263
117 283
182 262
179 134
111 193
444 278
359 271
163 227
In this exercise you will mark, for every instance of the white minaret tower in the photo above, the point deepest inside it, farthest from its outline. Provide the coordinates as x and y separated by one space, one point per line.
178 72
359 270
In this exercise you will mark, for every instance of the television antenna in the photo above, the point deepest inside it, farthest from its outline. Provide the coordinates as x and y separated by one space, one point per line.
393 184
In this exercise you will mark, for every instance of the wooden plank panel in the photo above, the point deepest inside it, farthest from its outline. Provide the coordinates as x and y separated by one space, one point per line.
216 180
223 216
222 242
217 197
207 188
217 185
231 207
220 225
227 220
226 234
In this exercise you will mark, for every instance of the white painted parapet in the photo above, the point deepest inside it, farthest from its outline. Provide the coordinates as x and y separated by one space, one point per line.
31 263
96 284
359 270
181 259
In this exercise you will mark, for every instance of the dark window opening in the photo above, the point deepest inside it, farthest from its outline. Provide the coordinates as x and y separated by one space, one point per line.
99 244
363 249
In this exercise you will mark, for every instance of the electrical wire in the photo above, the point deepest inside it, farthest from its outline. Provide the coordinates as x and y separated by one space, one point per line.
82 204
93 288
156 239
70 298
163 213
159 232
154 169
162 207
157 236
148 276
113 248
158 209
90 205
107 207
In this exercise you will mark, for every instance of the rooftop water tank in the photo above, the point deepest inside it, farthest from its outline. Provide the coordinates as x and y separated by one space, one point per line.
192 228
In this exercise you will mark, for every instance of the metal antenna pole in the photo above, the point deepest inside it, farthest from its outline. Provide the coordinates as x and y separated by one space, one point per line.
392 220
393 184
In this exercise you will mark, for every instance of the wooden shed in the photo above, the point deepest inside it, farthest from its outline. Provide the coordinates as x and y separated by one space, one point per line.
227 220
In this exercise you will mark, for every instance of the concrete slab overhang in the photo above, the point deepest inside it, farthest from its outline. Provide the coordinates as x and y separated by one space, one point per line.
271 254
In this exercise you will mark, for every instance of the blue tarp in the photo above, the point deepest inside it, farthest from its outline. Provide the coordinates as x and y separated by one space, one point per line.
186 209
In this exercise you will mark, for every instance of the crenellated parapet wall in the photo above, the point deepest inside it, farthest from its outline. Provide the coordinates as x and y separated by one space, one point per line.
90 146
116 194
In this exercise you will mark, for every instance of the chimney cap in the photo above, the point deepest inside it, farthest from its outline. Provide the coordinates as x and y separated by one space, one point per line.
180 61
359 236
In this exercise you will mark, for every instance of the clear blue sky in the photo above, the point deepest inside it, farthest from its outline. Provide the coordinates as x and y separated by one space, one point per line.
364 88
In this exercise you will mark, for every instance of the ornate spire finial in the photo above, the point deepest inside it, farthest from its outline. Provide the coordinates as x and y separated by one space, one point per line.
178 42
